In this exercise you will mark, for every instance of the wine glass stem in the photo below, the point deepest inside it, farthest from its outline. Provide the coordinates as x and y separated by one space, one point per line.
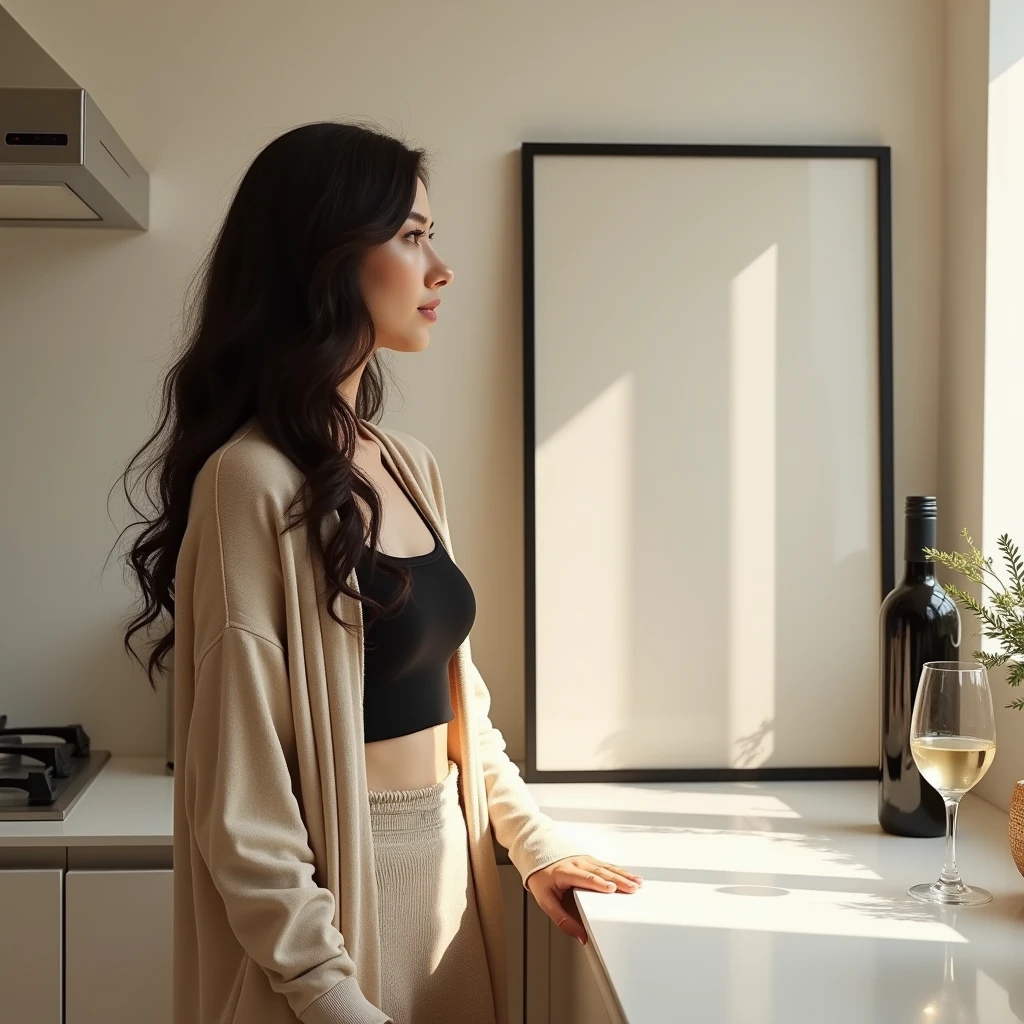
950 875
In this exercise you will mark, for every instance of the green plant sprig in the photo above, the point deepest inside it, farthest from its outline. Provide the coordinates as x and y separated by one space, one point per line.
1003 618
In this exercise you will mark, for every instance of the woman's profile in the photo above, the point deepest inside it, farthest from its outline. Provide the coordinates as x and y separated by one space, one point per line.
337 777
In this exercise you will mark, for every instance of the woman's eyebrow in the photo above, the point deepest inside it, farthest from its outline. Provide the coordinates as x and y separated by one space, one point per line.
419 217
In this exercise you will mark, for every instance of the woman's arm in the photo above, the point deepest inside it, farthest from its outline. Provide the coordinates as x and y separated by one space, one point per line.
530 836
249 830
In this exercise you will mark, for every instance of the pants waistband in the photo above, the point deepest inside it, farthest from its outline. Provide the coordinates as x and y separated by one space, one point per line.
414 810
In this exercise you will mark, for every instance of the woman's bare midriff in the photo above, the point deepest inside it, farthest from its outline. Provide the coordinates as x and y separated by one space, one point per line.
415 761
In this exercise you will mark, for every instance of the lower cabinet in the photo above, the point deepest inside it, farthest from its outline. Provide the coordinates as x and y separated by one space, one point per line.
95 947
118 947
575 996
562 985
118 942
30 965
513 897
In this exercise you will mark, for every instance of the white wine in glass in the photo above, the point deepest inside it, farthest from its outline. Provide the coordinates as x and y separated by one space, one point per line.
953 740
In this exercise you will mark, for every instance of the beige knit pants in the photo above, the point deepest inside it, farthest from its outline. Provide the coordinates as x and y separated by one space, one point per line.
432 951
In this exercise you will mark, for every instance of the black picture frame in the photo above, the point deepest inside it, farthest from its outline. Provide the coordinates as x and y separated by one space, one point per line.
881 157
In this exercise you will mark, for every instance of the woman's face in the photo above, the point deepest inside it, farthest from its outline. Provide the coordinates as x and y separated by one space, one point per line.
401 277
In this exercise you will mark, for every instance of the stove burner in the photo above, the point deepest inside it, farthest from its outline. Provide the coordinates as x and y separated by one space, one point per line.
43 769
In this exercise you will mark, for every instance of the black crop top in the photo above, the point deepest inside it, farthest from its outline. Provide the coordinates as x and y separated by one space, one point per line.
405 660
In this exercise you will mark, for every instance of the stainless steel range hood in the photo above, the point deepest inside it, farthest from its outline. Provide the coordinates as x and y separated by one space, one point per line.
61 162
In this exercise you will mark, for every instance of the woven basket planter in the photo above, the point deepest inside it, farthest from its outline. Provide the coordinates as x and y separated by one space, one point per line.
1017 825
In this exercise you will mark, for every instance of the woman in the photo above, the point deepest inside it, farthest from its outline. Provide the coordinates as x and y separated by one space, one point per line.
336 774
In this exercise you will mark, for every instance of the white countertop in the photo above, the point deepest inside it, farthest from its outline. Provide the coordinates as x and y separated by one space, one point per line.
785 903
130 803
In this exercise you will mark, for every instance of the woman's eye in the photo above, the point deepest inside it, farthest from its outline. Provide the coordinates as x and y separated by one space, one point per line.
418 234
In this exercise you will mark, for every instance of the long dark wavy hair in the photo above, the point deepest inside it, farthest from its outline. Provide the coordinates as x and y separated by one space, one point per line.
274 322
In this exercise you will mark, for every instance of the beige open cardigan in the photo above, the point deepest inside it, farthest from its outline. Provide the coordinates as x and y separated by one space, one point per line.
275 901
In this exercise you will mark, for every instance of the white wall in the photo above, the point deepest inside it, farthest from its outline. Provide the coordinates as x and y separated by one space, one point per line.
196 89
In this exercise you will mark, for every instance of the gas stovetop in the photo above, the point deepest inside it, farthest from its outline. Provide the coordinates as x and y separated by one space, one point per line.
44 770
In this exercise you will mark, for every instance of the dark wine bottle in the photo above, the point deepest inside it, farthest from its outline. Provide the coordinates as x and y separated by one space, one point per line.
918 622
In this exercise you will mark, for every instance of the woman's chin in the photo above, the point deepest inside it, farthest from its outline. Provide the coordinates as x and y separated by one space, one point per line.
412 342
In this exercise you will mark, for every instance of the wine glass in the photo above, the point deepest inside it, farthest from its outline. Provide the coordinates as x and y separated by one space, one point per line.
953 740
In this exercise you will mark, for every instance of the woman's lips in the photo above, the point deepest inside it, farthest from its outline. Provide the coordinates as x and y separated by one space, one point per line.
430 314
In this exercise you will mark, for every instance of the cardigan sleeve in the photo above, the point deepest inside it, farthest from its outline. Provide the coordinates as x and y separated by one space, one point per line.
531 837
249 830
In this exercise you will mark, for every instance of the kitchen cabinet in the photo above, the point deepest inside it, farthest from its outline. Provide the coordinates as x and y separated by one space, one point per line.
574 997
118 927
513 898
118 947
117 938
30 968
561 983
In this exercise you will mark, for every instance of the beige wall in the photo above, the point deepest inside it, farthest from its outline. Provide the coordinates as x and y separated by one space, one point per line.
24 63
1003 484
965 97
960 426
196 88
982 316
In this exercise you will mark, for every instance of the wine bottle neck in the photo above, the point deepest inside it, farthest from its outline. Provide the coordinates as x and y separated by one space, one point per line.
919 572
919 533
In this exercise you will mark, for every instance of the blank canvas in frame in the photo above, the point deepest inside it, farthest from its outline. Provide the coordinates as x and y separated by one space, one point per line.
708 460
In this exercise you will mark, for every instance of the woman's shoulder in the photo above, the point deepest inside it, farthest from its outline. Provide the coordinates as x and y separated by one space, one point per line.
248 466
229 564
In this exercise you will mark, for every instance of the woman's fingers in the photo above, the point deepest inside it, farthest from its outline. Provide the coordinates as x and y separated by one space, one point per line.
628 874
601 877
586 878
622 881
564 913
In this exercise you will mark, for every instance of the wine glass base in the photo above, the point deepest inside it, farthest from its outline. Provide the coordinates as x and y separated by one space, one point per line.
954 894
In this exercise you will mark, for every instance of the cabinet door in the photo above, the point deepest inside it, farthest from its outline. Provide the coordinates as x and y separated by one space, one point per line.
30 965
512 895
576 995
564 983
118 949
537 964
